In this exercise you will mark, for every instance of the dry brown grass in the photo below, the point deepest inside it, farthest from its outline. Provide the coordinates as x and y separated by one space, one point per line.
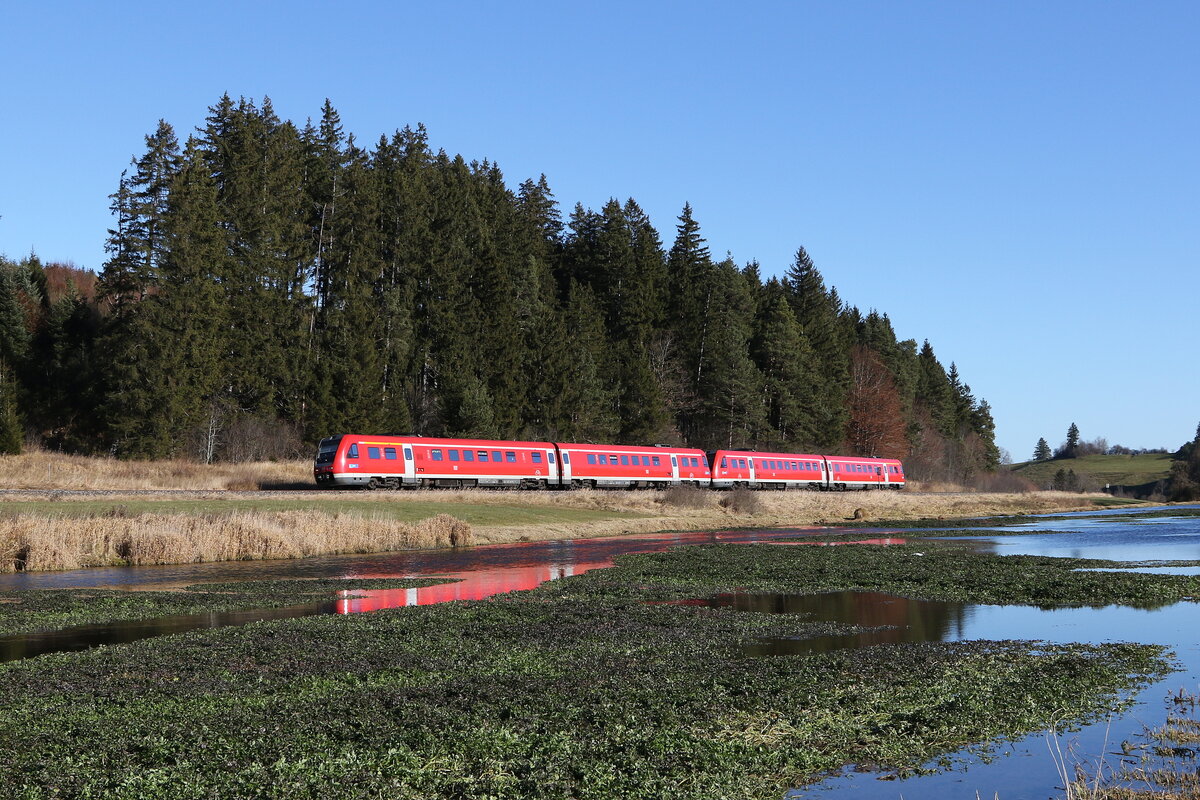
38 543
49 471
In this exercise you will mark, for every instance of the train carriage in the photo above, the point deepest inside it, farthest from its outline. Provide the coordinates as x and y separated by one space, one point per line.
377 462
733 468
632 466
853 472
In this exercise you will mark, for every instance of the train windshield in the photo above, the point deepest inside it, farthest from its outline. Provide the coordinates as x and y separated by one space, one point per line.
326 450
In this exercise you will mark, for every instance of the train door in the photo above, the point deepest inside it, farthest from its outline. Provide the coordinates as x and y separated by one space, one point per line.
564 466
750 461
410 465
886 469
674 469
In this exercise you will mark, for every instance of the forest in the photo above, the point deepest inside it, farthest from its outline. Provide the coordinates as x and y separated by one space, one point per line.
268 284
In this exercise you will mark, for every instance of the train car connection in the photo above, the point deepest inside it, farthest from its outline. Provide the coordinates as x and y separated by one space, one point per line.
394 462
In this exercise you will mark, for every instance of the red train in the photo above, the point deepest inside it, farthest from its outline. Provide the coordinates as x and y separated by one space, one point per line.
394 462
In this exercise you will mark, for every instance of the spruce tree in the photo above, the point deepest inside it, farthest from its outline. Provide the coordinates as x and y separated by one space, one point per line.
785 359
817 311
1042 452
1072 446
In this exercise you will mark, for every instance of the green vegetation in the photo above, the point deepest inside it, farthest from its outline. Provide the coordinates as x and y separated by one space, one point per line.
1098 470
32 611
929 570
578 689
270 283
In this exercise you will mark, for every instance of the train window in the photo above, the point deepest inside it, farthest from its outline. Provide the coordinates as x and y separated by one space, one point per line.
408 454
468 455
550 457
373 452
535 457
591 458
453 455
353 451
566 458
625 461
722 463
483 456
436 455
510 456
657 463
389 453
497 455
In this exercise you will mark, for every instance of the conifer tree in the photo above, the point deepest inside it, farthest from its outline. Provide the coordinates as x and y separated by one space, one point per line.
11 430
1072 445
817 311
785 359
730 413
1042 452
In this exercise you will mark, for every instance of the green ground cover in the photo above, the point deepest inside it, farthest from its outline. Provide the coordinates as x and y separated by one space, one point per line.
35 610
1117 470
341 503
578 689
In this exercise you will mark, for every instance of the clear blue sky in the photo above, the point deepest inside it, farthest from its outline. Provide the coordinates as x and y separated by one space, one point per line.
1018 182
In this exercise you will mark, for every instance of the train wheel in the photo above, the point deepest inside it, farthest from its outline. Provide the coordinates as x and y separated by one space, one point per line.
373 484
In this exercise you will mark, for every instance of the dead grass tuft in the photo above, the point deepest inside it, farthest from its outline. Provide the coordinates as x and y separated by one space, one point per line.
686 497
742 501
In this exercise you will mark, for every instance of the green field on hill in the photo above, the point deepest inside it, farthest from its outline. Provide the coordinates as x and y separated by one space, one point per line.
1100 470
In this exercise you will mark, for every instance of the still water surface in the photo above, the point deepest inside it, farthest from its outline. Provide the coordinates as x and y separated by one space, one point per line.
1025 770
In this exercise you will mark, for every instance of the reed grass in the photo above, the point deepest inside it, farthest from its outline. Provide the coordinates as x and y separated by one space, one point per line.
33 543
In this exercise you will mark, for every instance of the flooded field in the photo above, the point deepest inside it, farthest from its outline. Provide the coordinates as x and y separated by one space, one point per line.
1019 769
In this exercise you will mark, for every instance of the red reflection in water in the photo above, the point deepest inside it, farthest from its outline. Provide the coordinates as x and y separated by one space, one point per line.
524 567
475 585
889 540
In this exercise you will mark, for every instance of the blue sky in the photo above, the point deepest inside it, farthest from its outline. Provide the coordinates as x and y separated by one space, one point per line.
1018 182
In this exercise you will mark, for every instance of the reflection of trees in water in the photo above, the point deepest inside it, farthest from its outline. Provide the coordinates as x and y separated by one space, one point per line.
909 620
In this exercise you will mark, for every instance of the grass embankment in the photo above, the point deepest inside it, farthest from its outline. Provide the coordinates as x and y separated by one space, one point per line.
1097 470
579 689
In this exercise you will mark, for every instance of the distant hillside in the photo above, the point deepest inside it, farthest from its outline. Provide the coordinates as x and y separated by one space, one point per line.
1096 471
